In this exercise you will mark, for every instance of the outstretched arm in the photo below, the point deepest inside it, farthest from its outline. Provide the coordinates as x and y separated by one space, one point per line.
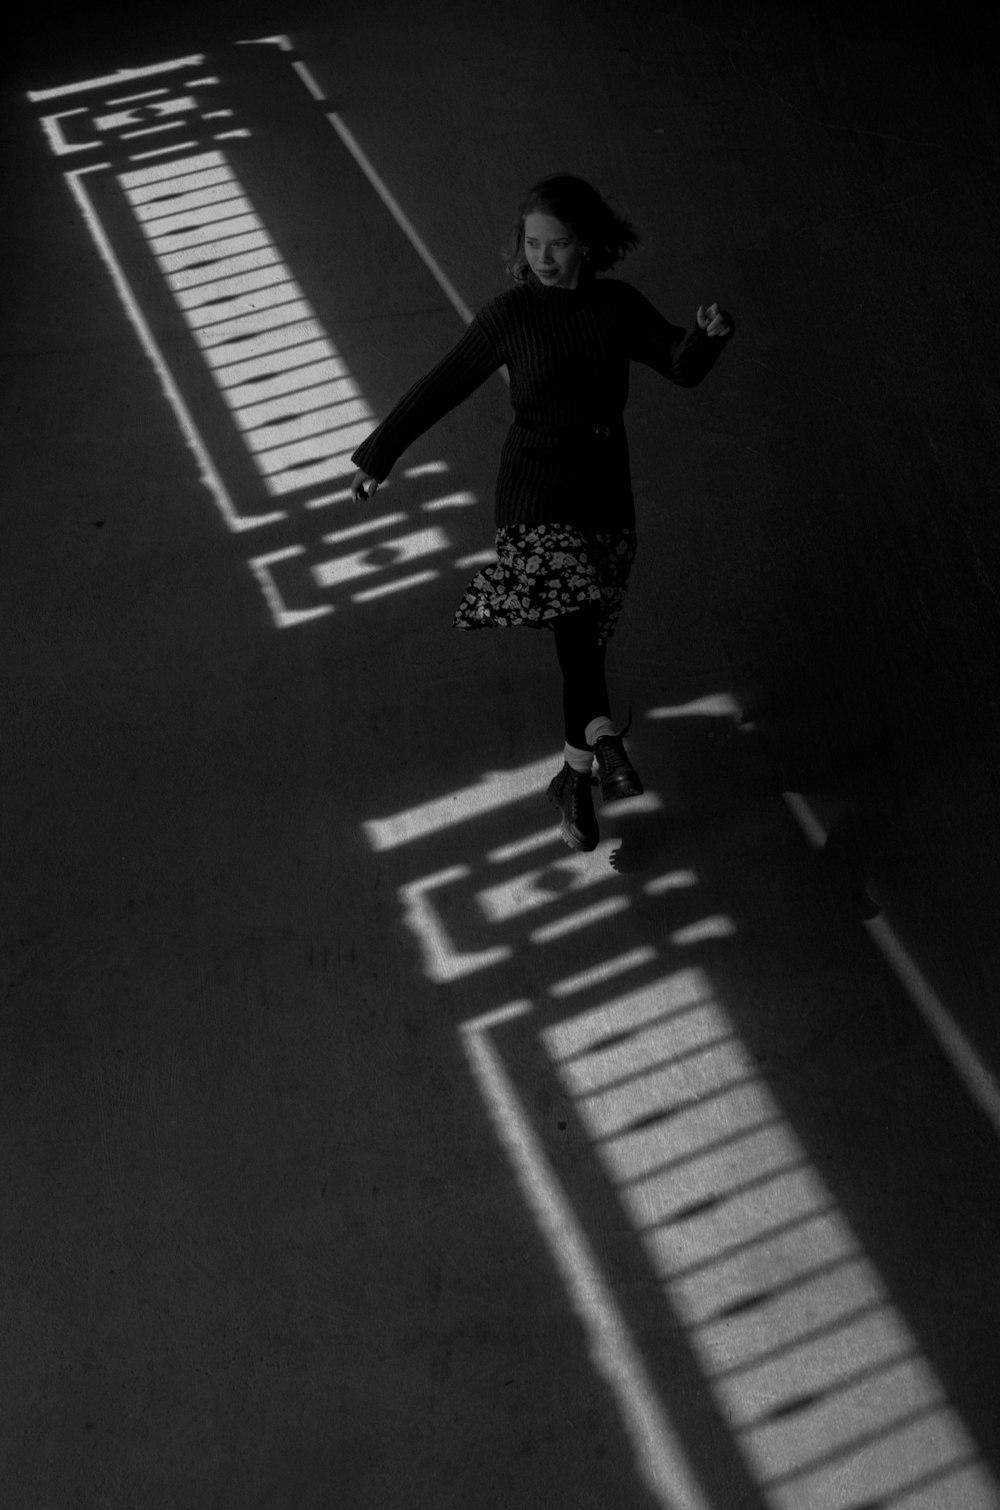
683 356
469 363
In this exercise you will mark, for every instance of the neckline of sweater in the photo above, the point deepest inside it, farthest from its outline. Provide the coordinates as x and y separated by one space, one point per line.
553 293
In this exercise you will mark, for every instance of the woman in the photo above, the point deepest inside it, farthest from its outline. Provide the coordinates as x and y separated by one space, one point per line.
564 510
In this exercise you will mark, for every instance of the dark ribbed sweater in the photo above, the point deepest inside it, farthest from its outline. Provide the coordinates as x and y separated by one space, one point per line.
567 352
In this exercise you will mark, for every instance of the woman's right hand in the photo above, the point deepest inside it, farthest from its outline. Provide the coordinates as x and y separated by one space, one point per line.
363 487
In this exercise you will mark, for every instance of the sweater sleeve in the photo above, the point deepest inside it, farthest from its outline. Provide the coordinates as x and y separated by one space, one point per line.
469 363
683 356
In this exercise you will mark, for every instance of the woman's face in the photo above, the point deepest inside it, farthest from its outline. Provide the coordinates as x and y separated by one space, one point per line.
553 250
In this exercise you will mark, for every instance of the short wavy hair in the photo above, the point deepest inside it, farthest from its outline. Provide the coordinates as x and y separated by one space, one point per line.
606 234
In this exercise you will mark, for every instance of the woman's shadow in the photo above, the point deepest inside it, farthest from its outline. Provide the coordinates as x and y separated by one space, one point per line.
708 759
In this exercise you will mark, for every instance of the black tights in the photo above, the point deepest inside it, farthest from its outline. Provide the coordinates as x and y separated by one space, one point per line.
581 660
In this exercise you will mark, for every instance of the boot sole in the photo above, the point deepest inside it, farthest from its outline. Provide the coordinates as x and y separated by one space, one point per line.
567 835
619 790
570 839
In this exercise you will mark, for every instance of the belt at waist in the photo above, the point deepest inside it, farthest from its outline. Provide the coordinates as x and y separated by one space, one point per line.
595 431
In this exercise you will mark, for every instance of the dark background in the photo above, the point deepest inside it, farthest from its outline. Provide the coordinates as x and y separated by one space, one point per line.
261 1245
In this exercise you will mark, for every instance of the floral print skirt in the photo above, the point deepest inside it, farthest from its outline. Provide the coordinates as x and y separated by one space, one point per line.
544 571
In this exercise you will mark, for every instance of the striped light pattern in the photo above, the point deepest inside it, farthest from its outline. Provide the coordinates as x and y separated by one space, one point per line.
825 1389
289 392
818 1376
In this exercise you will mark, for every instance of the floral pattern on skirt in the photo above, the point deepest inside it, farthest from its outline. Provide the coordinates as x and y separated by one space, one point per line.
544 571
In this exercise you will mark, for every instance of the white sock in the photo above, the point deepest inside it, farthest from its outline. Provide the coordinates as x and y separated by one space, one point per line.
598 727
578 760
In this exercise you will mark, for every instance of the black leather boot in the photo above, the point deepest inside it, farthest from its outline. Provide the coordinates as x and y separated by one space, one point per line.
617 775
572 793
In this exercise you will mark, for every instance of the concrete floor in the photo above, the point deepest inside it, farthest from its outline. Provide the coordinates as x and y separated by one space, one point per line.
360 1146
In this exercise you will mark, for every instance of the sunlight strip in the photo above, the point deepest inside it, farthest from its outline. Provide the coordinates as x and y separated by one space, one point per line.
293 346
233 299
274 39
342 495
426 469
57 140
494 790
400 584
284 617
716 705
402 549
596 975
237 254
806 818
442 962
673 880
825 1388
979 1081
405 225
128 136
703 931
462 500
615 1026
577 920
186 264
297 408
144 94
306 76
240 361
139 157
662 1460
384 522
328 397
506 900
209 475
646 802
954 1488
121 77
545 839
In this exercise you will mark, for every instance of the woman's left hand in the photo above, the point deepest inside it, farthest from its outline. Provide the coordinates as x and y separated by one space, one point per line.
714 321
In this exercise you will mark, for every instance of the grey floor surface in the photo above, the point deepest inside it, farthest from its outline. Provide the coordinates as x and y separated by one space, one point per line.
360 1146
